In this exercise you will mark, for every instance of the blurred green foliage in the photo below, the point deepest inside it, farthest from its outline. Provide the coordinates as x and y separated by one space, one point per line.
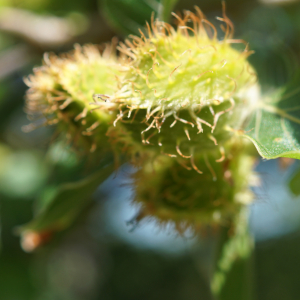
129 16
48 6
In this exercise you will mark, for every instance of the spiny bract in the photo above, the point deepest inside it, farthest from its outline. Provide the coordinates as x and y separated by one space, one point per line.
189 200
183 91
61 92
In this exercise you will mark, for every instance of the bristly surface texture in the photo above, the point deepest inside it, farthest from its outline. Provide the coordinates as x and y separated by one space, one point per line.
61 93
189 200
183 91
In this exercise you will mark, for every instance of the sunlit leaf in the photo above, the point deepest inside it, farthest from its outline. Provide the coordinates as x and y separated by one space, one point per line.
67 203
275 126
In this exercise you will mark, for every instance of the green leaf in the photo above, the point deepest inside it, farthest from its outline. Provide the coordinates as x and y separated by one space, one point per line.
294 183
275 126
233 278
67 203
165 9
128 16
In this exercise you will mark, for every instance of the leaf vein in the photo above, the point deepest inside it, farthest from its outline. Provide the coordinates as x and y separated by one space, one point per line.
286 132
280 112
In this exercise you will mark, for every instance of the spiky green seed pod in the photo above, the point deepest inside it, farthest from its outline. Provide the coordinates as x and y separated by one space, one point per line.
61 91
184 91
170 193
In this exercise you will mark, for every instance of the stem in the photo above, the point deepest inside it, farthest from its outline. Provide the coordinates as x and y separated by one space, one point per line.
165 9
233 276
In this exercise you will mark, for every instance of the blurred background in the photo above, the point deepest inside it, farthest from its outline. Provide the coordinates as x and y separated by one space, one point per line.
103 255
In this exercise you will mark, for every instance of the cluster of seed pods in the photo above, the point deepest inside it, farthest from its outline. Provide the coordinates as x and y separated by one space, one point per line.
181 94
